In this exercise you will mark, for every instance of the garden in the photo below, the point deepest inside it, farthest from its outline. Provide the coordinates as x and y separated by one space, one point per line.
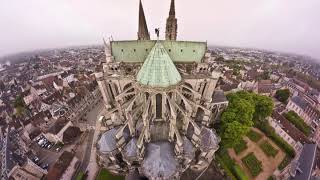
268 149
240 147
254 136
253 164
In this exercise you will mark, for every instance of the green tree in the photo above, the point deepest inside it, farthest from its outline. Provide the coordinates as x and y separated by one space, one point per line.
282 95
263 107
233 133
244 107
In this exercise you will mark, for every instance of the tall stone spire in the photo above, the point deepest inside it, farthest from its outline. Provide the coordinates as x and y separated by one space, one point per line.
143 33
172 25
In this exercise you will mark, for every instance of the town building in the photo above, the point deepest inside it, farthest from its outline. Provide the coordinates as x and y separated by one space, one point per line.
161 106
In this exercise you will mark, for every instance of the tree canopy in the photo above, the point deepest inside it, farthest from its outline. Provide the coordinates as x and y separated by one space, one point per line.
282 95
243 110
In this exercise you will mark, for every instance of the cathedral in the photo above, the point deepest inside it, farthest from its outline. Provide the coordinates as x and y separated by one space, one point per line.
161 105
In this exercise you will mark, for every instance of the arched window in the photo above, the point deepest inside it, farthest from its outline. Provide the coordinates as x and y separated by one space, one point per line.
158 106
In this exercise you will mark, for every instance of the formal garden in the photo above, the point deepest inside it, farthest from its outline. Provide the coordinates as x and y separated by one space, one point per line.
268 149
253 164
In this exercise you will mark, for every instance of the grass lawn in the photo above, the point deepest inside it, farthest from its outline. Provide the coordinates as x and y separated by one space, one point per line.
105 175
240 147
253 164
268 149
298 122
254 136
80 176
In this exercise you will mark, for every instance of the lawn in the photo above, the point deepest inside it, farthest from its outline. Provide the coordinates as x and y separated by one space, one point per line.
254 136
268 149
253 164
298 122
105 175
240 147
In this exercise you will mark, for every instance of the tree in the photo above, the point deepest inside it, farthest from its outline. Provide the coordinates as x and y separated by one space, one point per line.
233 134
263 107
237 118
282 95
244 107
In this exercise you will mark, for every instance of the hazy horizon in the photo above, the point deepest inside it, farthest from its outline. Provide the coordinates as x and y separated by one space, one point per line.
288 26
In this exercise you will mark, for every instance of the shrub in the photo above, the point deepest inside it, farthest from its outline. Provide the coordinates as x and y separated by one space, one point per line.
269 131
240 147
268 149
253 164
240 174
254 136
226 162
298 122
284 163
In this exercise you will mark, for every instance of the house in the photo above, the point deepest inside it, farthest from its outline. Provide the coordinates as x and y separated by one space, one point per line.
64 168
56 131
308 113
303 168
29 170
264 87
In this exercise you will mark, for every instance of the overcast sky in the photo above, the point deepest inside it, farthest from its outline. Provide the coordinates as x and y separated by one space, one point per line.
283 25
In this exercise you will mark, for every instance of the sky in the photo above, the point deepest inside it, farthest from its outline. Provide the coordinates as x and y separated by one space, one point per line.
280 25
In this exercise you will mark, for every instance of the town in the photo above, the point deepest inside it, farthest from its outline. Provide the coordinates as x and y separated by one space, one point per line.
50 103
160 110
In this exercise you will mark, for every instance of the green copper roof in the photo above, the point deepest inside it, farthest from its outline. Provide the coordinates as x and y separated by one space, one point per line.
137 51
158 69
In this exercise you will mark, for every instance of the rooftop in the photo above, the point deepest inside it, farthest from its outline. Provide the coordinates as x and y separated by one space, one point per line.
137 51
158 69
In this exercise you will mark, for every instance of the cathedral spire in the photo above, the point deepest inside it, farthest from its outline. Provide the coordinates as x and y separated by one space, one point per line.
172 25
172 9
143 33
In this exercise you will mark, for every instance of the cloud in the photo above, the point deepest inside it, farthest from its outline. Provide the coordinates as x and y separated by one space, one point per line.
286 25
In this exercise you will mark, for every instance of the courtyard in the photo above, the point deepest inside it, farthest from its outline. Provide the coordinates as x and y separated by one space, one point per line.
259 157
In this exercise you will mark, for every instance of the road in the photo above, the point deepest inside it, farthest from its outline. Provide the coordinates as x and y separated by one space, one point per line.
91 118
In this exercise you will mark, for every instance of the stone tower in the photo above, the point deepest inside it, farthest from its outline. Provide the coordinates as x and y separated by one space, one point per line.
143 33
172 26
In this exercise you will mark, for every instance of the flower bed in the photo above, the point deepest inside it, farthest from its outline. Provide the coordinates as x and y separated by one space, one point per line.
268 149
240 147
253 164
254 136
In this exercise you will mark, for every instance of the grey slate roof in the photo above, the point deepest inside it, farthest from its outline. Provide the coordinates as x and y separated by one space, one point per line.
130 150
159 160
107 142
208 139
218 97
306 162
299 101
188 148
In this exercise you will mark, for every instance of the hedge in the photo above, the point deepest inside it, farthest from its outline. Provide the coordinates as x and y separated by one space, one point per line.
240 174
226 162
253 164
240 147
268 149
284 163
269 131
298 122
254 136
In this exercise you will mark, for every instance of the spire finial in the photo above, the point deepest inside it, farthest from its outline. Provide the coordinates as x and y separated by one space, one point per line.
143 33
172 8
